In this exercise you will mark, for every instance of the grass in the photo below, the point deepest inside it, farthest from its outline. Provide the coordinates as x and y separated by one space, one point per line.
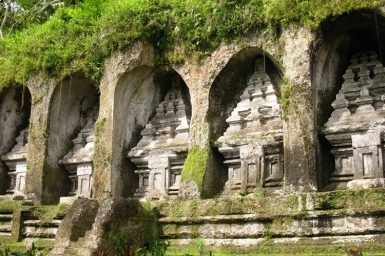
79 38
269 249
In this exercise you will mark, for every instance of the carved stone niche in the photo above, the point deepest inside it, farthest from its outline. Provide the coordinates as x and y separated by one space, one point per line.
356 127
16 160
253 143
79 161
160 154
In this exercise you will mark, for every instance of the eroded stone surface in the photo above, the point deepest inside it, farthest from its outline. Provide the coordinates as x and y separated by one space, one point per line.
89 228
127 75
79 161
160 154
252 144
16 160
77 221
355 128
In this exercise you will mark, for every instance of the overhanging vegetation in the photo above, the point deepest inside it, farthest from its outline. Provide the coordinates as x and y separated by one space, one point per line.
79 38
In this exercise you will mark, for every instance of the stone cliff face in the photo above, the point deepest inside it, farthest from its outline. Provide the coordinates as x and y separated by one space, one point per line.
273 115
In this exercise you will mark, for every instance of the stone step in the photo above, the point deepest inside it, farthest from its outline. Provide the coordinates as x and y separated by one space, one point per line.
5 227
4 216
36 228
39 223
5 224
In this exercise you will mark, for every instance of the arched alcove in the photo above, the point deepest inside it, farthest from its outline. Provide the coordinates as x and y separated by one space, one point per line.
73 98
339 40
230 83
137 97
15 110
228 90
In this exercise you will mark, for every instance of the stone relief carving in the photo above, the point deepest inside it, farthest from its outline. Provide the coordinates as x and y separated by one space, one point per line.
79 161
253 143
160 154
356 127
16 162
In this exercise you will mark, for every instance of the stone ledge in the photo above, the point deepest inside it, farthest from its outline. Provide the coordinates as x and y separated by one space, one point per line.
236 218
366 183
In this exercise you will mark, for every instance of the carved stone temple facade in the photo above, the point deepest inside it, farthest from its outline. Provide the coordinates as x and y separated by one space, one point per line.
162 151
253 143
79 161
209 140
356 127
16 162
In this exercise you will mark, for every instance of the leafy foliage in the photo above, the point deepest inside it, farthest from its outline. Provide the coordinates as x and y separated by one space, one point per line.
19 14
119 247
7 252
81 35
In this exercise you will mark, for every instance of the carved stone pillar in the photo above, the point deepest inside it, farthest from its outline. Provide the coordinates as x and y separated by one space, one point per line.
159 175
84 179
12 175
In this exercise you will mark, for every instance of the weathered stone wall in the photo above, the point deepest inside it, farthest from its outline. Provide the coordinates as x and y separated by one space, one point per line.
305 67
126 86
72 98
90 227
307 223
41 91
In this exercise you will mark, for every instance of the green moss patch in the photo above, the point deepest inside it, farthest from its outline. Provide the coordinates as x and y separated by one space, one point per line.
194 168
269 248
9 205
48 212
102 157
79 38
358 200
279 215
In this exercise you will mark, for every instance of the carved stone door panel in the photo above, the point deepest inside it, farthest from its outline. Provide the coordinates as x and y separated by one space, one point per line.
273 171
367 154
